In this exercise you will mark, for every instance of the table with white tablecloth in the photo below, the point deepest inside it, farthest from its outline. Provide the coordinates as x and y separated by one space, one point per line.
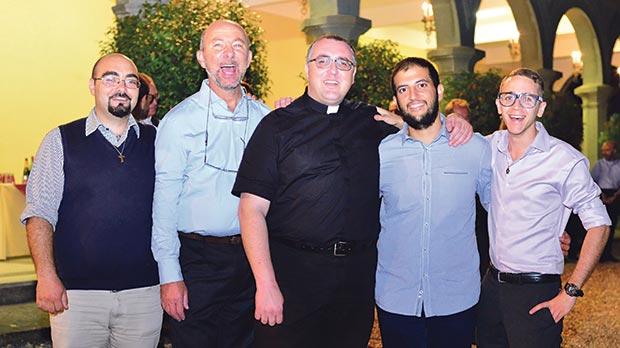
13 241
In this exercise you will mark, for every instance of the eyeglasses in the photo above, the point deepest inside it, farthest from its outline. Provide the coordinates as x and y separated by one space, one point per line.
152 97
323 62
233 118
113 81
526 100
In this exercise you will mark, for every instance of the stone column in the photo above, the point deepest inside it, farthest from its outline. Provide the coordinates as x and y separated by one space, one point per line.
452 60
549 76
339 17
594 105
125 8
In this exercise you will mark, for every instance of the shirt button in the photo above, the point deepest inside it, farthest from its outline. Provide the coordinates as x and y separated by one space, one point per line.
420 292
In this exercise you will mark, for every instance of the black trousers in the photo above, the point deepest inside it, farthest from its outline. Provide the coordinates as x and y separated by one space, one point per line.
504 319
221 297
328 300
454 330
612 210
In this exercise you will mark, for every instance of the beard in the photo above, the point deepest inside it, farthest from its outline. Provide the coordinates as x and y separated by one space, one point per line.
426 120
226 86
121 110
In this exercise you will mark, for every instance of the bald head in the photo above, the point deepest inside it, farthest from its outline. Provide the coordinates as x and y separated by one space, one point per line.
110 56
219 25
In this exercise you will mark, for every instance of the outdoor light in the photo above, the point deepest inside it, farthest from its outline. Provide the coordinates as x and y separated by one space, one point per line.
428 19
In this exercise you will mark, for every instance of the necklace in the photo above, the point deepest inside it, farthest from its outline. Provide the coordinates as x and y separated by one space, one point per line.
120 156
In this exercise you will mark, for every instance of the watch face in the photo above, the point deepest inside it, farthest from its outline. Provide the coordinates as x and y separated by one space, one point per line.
573 290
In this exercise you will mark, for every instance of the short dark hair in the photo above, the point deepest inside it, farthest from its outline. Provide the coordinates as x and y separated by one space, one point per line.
408 62
331 37
530 74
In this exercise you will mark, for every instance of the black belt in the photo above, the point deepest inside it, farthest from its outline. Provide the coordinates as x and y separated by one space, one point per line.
337 248
232 240
523 278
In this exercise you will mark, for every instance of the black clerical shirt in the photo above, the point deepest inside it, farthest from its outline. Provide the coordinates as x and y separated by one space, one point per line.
319 171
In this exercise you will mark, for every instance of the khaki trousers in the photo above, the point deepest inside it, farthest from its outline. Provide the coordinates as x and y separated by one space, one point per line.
99 318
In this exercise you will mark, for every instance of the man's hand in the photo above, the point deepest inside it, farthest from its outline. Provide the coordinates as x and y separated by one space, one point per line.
565 243
559 306
460 130
283 102
51 295
269 305
174 299
389 118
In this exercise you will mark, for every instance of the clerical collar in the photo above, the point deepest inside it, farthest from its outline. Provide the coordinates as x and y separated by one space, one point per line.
319 107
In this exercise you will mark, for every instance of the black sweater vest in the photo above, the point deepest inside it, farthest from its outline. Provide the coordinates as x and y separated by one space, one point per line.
103 235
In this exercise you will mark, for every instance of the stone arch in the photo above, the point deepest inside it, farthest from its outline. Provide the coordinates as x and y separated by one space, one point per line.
589 46
530 38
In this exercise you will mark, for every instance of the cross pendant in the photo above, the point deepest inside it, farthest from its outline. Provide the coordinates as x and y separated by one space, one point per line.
121 157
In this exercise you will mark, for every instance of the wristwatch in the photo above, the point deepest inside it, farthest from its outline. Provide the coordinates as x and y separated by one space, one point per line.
573 290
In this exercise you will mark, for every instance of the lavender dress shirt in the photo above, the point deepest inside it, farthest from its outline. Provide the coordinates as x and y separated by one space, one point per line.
531 201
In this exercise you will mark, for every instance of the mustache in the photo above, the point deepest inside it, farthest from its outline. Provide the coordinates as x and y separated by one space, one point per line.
120 95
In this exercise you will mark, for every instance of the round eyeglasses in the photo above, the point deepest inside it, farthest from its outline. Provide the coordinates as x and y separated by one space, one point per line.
323 62
526 100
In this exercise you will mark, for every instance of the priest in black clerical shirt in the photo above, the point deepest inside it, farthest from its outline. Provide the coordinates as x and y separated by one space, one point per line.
309 209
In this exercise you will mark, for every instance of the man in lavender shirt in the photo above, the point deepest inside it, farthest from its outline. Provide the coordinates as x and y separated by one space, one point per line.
537 181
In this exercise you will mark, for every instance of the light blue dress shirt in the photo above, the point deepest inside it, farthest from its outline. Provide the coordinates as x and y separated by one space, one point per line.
191 195
428 257
607 174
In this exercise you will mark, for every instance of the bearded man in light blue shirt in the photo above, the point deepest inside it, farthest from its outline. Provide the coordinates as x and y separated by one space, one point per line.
428 280
206 283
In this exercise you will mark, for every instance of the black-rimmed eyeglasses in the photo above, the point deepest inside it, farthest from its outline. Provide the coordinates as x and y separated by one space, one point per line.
527 100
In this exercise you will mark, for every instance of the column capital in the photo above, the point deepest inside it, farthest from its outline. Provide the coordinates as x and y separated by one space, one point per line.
347 26
456 59
594 94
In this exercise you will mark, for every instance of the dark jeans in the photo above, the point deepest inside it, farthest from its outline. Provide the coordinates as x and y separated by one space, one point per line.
504 319
328 300
400 331
221 297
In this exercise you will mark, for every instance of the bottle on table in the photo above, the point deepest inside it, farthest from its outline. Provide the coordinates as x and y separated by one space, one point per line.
26 171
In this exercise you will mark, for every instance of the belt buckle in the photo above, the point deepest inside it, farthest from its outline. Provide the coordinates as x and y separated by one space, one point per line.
340 248
499 277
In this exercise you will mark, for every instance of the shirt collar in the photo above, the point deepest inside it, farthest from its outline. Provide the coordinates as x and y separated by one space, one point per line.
207 95
317 106
541 141
443 132
93 123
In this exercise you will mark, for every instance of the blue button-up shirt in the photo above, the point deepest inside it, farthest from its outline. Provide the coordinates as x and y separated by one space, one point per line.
193 194
428 256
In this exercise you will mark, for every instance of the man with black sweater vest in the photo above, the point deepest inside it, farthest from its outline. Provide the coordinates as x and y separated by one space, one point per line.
88 220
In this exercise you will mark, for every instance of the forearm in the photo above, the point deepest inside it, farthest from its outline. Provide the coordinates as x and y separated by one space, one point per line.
591 249
40 241
255 239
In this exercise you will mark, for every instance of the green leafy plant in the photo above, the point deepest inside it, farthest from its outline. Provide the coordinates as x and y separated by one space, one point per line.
375 61
563 118
480 91
611 129
164 37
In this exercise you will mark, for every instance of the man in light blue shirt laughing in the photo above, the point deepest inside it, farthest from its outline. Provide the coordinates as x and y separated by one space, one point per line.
428 280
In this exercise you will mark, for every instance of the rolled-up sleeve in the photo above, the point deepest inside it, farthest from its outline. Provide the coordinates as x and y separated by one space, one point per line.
46 180
582 195
170 164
